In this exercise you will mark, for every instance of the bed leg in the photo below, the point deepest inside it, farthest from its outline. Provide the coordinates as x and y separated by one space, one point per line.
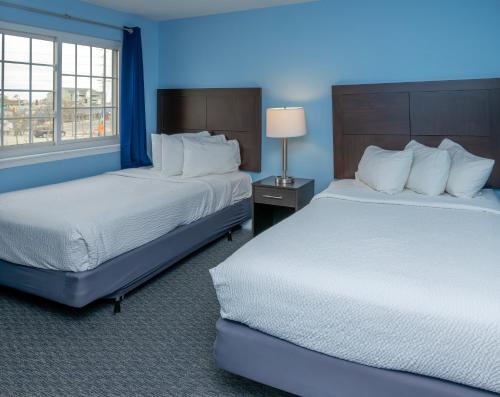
118 305
230 235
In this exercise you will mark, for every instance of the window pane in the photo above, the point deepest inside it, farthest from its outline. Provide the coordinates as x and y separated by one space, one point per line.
97 122
97 61
17 77
97 92
83 60
68 58
43 130
42 104
109 63
17 48
42 51
68 124
16 132
110 121
68 91
83 91
42 78
1 41
110 92
16 104
82 123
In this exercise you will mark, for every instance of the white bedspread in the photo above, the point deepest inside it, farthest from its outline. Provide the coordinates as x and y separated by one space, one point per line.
77 225
403 282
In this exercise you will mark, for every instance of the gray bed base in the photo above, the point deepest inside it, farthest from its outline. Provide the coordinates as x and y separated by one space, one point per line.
118 276
266 359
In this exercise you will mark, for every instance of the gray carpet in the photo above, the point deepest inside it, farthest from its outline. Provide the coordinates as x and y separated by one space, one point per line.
160 345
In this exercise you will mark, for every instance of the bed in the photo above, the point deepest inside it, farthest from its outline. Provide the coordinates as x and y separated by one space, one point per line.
376 295
103 236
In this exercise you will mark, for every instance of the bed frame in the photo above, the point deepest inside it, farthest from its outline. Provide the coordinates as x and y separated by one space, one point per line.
387 115
275 362
235 112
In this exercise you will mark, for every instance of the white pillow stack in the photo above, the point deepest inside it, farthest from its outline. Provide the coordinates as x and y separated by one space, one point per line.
385 170
202 157
425 170
156 151
173 150
429 171
157 147
194 154
468 173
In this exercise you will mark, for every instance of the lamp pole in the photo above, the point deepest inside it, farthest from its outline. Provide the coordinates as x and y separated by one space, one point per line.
284 179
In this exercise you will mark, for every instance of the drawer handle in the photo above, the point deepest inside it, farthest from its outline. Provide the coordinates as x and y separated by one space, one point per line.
272 197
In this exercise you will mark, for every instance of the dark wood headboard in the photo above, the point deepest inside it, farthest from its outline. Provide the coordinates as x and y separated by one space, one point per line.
390 115
234 112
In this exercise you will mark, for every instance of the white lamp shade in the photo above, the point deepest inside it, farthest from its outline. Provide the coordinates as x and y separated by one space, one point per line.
286 122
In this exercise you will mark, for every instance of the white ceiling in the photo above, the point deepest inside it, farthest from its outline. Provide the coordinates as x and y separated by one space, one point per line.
174 9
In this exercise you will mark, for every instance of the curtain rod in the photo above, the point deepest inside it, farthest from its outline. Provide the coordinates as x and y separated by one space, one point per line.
63 16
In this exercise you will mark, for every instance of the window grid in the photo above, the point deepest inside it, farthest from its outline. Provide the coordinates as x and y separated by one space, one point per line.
29 117
108 111
105 108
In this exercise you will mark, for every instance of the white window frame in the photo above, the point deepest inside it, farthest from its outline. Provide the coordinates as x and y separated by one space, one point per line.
60 149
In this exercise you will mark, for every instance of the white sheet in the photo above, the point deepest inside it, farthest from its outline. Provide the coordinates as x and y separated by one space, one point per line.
405 282
77 225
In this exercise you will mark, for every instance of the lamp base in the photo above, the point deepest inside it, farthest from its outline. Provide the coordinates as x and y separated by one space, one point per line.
284 180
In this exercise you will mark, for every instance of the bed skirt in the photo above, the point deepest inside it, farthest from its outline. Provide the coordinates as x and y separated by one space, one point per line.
266 359
120 275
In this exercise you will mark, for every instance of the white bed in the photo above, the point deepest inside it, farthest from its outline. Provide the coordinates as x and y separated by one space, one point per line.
76 226
403 282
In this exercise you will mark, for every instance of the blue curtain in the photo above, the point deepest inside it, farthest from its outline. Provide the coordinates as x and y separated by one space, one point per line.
132 111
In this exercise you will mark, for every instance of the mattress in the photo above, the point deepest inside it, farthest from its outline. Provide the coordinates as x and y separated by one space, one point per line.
404 282
76 226
125 272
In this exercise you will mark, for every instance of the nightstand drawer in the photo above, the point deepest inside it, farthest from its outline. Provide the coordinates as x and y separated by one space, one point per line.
275 196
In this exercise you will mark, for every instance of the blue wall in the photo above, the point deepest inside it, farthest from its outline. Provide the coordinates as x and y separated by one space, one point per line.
57 171
295 53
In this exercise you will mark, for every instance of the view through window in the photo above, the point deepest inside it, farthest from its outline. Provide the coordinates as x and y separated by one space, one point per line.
27 90
89 92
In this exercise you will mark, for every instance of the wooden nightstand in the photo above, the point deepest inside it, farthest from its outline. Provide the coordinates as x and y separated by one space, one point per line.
272 204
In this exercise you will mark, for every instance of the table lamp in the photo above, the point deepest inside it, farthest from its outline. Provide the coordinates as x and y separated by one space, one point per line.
285 123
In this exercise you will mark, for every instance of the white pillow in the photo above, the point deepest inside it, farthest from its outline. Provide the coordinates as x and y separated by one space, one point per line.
430 169
156 151
385 170
173 150
468 173
204 158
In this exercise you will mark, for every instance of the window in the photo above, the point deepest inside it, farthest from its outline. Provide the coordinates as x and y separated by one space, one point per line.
58 92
